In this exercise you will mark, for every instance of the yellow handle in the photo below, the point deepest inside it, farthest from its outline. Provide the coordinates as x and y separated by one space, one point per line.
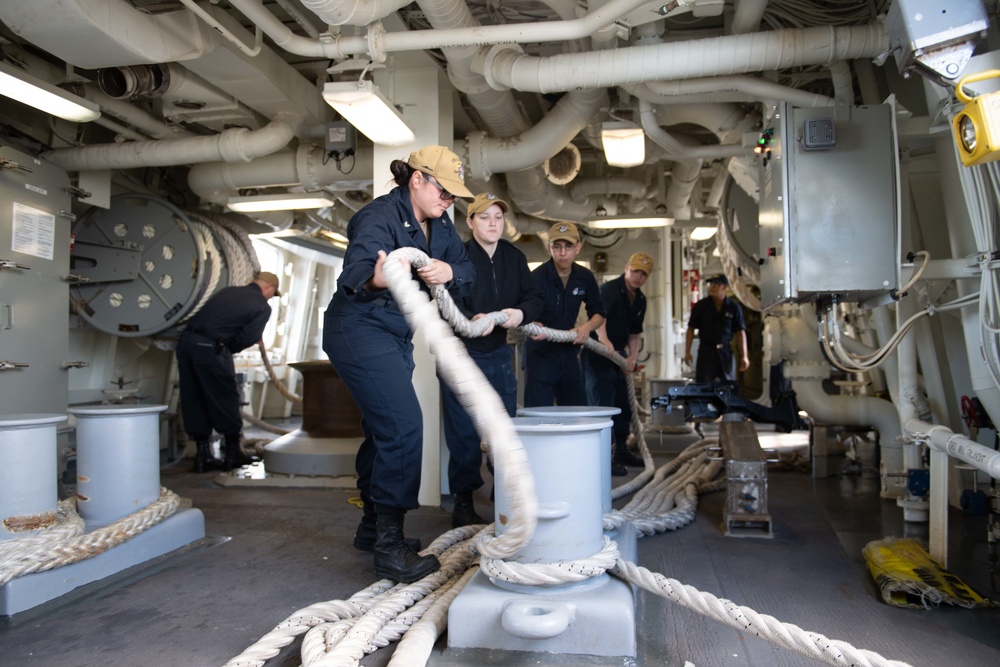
973 78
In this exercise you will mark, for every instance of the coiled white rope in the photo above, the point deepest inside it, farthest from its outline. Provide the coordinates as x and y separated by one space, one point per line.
347 643
65 543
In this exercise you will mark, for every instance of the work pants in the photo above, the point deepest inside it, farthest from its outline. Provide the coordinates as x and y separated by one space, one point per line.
465 453
715 362
210 398
606 386
553 376
377 367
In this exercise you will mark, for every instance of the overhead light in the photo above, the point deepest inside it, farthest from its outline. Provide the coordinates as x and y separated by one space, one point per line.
23 87
702 233
628 221
285 201
624 144
364 106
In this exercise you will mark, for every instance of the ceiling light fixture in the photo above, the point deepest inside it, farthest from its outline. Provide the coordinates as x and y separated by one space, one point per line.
286 201
628 221
23 87
624 144
702 233
364 106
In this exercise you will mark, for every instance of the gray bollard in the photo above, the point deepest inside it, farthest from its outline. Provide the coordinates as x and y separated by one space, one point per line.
117 460
28 473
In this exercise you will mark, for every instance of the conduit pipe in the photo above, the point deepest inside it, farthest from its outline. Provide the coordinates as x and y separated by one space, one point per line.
352 12
123 131
681 150
843 82
807 369
233 145
943 439
778 49
531 148
128 113
747 16
612 185
726 89
217 181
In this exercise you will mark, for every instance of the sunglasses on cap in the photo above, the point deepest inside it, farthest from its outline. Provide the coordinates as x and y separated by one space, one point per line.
444 194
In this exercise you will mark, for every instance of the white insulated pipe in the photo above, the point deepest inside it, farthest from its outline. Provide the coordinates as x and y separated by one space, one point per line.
747 16
680 150
964 449
737 88
233 145
878 413
734 54
353 12
128 113
611 185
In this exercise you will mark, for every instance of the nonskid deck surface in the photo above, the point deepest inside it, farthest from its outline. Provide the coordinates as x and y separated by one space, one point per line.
273 551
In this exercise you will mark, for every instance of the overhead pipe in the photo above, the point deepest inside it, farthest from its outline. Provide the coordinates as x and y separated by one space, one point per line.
508 67
725 89
352 12
233 145
747 16
843 82
679 149
489 155
128 113
610 185
217 181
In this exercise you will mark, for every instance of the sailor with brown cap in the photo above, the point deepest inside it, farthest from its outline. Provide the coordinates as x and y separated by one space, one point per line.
552 370
625 305
370 344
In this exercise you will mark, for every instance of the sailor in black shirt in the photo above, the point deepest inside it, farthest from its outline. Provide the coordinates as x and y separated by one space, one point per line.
503 283
718 319
229 322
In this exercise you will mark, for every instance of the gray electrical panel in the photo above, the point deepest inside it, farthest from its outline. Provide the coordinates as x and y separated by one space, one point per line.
828 204
34 303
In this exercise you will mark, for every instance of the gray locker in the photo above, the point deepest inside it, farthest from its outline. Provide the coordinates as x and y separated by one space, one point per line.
34 304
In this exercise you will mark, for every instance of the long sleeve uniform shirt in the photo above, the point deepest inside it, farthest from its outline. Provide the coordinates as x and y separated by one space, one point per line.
236 316
562 304
388 223
502 281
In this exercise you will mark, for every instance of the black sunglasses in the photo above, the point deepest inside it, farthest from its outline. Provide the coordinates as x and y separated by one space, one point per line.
444 193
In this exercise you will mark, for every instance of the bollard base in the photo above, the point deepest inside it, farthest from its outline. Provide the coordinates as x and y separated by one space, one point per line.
180 529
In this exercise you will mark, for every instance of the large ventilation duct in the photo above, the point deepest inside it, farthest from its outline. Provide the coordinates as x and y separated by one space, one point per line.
353 12
563 167
104 33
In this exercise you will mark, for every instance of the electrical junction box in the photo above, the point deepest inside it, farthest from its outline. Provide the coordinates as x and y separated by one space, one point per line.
937 35
340 135
828 210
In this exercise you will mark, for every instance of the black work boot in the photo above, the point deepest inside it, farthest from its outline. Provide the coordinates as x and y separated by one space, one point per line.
365 535
393 558
203 459
625 457
235 458
464 513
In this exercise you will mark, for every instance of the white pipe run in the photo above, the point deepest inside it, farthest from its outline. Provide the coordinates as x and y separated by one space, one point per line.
611 185
217 181
726 89
958 446
734 54
353 12
747 16
128 113
233 145
488 155
683 150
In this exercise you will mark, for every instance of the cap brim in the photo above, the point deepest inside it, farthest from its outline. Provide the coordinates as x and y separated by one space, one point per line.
456 188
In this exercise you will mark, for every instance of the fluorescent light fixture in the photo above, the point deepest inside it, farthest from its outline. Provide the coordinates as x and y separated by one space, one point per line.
285 201
364 106
702 233
628 221
23 87
624 144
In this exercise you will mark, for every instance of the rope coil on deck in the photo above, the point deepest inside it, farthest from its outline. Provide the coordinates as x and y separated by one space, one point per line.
673 493
66 543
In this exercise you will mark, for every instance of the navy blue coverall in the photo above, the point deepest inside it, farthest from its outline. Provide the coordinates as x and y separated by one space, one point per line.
715 334
229 322
369 343
605 379
502 281
552 370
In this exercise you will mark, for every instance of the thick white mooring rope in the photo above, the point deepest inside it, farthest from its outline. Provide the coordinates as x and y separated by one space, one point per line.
65 543
341 632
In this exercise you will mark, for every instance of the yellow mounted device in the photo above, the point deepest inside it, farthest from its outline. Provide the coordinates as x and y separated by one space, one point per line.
977 125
